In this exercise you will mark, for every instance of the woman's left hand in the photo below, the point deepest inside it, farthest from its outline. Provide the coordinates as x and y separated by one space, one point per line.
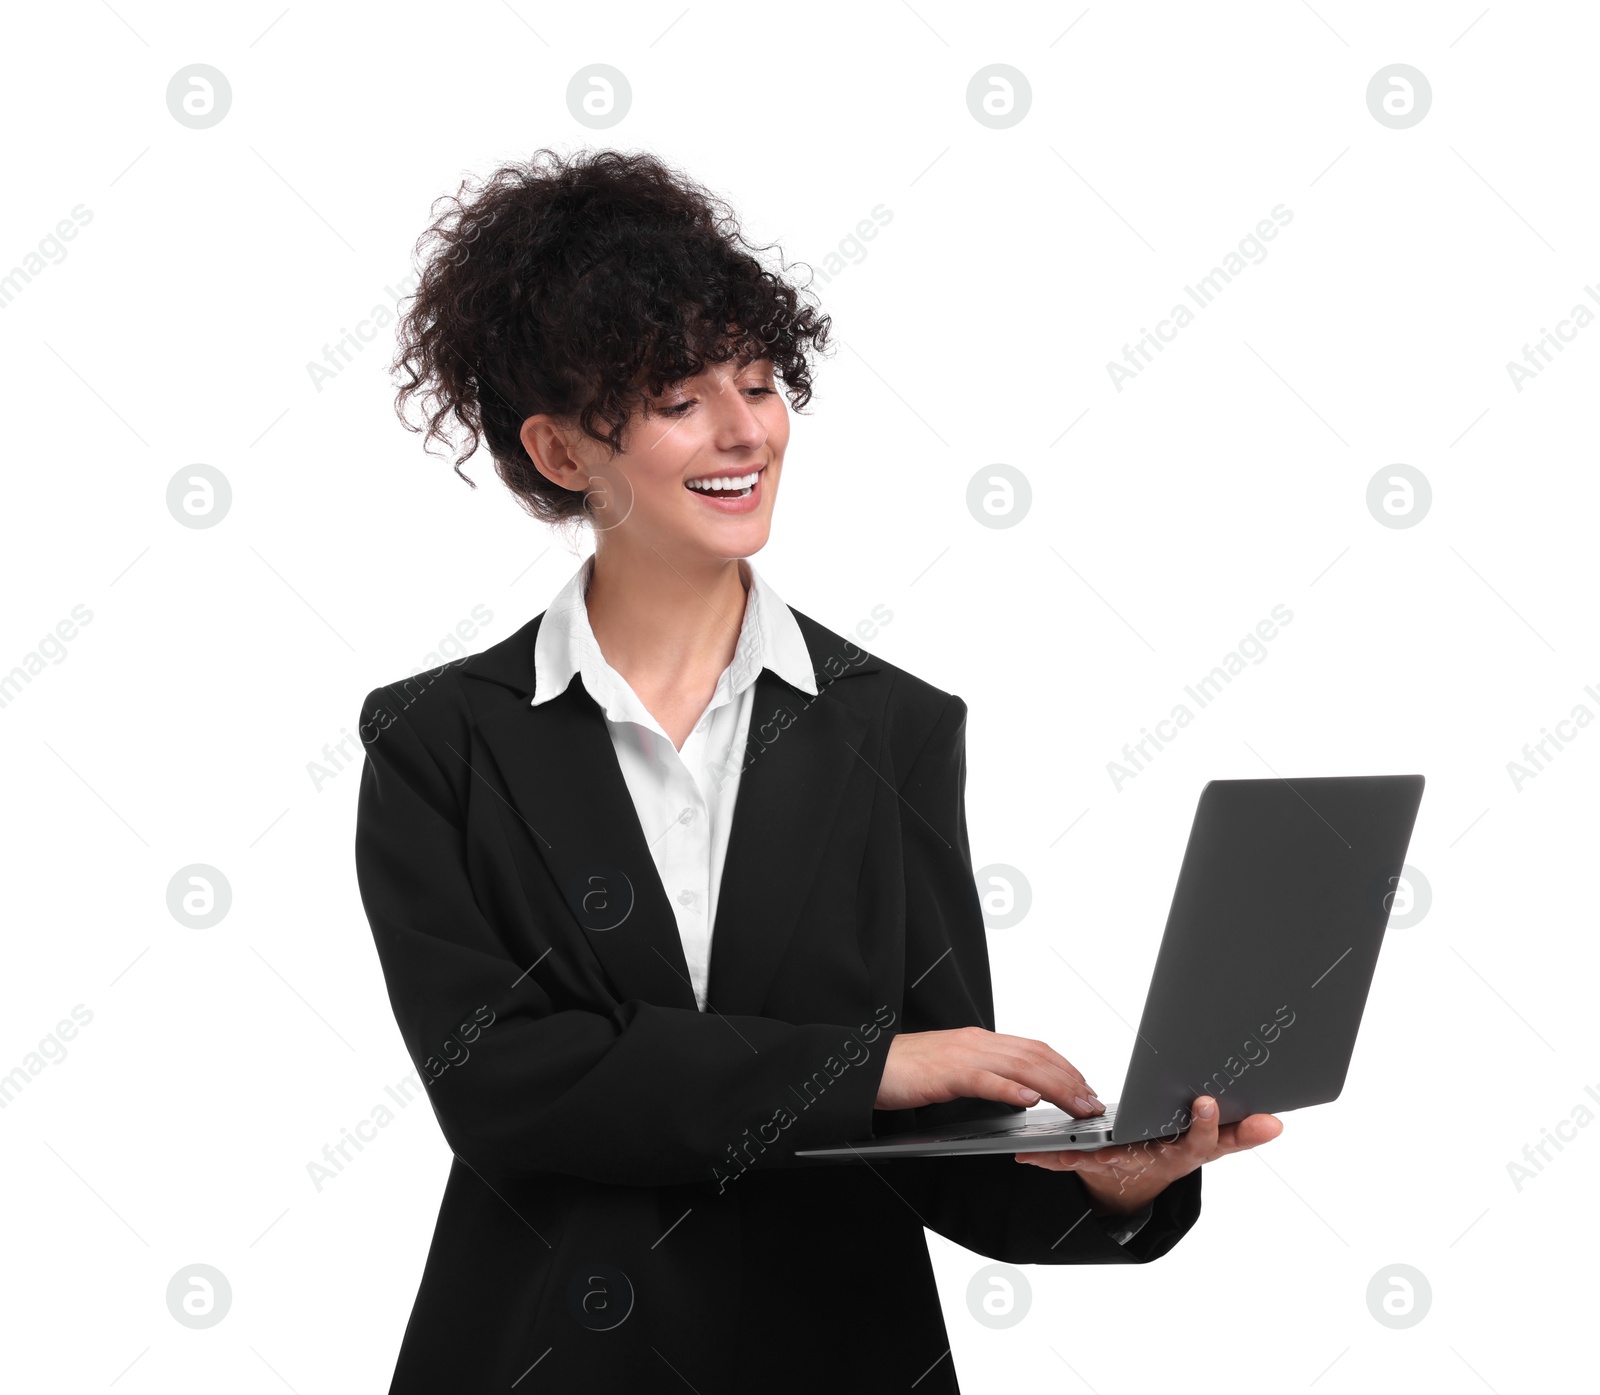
1122 1178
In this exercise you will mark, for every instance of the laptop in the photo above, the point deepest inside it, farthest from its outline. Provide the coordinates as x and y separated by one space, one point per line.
1262 976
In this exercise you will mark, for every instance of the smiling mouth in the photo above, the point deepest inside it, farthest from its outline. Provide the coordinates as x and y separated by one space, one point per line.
733 486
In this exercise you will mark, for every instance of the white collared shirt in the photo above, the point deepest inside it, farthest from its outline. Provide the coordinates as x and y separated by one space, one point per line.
684 799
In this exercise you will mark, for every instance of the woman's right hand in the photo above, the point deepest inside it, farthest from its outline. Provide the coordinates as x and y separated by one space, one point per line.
972 1063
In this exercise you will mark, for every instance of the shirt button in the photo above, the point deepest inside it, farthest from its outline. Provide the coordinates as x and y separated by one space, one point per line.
686 898
687 816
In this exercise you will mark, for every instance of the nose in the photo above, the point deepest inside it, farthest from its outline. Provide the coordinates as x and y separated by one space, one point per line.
737 425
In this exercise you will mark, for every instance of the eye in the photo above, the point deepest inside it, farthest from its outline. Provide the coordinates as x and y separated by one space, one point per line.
678 409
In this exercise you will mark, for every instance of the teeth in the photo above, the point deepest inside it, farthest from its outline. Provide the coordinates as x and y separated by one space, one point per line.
726 482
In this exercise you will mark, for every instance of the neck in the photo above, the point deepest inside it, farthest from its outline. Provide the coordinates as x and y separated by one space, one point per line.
664 622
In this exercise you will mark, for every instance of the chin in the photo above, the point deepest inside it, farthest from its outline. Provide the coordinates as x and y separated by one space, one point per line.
734 539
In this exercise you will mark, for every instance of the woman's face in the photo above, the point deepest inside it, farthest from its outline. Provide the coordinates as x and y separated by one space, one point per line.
728 423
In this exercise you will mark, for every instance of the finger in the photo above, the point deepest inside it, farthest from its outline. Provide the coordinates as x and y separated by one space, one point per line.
1103 1164
1111 1155
1036 1072
1054 1058
1250 1132
1201 1139
1057 1160
979 1084
1069 1092
1026 1048
1045 1071
1125 1160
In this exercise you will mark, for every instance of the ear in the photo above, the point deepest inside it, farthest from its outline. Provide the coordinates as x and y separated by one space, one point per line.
549 447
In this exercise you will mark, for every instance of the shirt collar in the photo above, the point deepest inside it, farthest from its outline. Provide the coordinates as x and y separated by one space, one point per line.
769 637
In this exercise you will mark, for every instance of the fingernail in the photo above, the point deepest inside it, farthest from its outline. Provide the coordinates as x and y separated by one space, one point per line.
1207 1109
1084 1105
1032 1096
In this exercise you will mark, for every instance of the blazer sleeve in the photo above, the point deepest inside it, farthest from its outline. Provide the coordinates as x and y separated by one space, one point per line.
640 1095
989 1203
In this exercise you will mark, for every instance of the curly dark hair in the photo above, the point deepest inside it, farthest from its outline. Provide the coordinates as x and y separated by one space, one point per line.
581 286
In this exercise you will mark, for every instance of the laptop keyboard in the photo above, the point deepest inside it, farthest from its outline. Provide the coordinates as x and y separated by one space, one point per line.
1093 1124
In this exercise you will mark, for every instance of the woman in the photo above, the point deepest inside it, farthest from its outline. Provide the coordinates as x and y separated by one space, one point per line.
675 880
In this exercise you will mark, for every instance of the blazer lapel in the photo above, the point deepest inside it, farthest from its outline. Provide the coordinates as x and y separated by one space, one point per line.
564 781
562 775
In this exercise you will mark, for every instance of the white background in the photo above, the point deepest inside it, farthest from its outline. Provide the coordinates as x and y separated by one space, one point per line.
1229 477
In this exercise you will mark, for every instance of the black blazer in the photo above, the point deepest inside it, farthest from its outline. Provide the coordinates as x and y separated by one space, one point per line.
624 1210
